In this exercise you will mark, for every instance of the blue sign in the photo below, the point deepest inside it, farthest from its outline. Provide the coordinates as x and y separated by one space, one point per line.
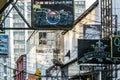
3 44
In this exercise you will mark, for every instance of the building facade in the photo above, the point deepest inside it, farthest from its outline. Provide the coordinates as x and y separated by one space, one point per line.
20 71
17 38
79 7
71 65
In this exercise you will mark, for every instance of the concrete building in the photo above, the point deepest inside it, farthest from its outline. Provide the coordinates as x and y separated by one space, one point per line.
40 51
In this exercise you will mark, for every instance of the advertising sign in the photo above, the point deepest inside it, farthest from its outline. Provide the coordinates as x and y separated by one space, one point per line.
115 46
92 31
52 14
3 44
94 51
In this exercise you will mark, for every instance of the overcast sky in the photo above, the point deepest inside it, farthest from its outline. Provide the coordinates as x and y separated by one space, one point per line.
89 2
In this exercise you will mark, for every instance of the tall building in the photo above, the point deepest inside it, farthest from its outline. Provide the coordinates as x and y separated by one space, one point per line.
79 8
17 38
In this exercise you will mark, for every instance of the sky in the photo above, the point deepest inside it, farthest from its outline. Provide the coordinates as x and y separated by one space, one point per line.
89 3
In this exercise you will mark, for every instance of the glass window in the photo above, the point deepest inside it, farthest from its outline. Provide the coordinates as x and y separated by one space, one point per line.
4 59
18 24
5 77
19 41
22 50
16 16
5 69
42 37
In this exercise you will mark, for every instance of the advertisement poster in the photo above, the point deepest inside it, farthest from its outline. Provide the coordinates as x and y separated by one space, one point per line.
52 14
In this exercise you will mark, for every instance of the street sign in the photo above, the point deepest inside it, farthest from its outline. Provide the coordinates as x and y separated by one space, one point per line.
115 47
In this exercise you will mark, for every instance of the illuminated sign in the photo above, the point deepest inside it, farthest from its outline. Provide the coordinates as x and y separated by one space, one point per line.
52 14
3 44
115 46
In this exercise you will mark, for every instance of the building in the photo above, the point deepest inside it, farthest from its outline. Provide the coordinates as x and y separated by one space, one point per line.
40 51
79 7
17 38
20 71
71 66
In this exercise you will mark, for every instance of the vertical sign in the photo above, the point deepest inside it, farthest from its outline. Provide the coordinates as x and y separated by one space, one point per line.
115 47
3 44
52 14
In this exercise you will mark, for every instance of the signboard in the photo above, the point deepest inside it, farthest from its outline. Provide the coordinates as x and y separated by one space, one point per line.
94 51
4 45
92 31
115 46
52 14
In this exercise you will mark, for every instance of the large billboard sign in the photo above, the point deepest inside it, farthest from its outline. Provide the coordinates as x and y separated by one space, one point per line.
52 14
4 45
115 46
92 31
94 51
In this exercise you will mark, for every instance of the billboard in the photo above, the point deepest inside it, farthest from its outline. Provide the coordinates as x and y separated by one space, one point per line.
92 31
4 45
52 14
94 51
115 46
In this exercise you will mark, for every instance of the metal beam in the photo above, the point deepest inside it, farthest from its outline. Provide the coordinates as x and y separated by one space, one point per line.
21 15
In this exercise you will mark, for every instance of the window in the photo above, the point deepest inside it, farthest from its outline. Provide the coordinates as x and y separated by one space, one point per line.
18 24
5 69
5 77
42 38
16 16
19 41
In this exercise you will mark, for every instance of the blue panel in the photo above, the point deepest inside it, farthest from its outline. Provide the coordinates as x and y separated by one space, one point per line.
4 44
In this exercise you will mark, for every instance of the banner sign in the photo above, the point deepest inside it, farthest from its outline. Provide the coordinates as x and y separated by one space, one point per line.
52 14
115 46
92 31
4 45
94 51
